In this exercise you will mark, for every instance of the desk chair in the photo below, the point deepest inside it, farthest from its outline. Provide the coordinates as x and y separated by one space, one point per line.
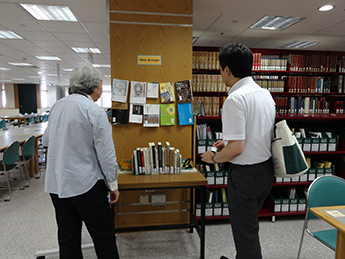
3 125
37 119
31 120
325 190
28 152
9 162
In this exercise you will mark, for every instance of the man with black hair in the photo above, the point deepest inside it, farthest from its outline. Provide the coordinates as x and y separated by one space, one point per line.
247 122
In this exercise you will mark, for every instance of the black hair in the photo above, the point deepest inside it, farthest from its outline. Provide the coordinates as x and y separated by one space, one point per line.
238 58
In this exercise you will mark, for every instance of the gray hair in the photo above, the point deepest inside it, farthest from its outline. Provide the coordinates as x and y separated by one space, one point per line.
84 80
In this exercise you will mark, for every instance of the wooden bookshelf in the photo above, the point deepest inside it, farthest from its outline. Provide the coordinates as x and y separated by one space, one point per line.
151 27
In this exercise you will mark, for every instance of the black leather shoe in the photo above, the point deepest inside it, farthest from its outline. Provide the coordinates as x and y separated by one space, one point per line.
223 257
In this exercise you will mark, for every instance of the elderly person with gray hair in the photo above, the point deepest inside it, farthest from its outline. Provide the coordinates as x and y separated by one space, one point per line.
82 167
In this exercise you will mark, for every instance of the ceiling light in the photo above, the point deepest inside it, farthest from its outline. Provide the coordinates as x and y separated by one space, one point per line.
97 65
299 44
47 58
94 50
4 68
275 22
50 12
18 79
86 50
67 69
21 64
9 35
107 75
33 76
326 8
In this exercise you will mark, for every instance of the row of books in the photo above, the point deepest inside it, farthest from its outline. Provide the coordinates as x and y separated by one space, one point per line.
152 115
269 63
140 91
308 84
308 63
205 60
208 83
272 85
218 195
210 104
154 160
302 105
316 63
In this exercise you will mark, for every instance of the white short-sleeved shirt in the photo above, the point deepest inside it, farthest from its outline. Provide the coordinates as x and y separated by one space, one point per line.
249 114
80 147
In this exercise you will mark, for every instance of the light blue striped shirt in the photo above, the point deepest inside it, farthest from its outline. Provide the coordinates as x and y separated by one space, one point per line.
80 147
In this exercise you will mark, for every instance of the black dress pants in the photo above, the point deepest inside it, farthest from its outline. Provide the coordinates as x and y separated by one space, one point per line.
94 210
248 188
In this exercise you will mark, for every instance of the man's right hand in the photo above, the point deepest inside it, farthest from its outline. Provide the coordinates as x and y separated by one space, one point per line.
114 196
219 145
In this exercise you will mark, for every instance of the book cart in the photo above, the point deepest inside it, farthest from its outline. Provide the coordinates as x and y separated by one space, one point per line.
308 88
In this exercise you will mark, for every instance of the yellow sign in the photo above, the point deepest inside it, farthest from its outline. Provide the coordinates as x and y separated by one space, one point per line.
149 60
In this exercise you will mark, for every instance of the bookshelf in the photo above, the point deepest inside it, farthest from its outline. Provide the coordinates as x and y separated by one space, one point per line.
309 90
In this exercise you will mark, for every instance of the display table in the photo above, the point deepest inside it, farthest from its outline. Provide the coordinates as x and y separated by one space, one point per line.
158 183
335 217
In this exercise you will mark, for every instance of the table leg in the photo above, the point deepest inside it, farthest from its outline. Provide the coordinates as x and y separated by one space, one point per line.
191 208
202 223
340 247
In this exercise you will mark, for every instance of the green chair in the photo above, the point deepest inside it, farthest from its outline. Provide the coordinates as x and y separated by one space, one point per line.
45 118
323 191
3 125
9 161
28 153
37 118
31 120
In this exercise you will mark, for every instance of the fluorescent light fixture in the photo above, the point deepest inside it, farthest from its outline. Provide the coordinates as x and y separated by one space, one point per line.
275 22
67 69
21 64
299 44
9 35
98 65
326 8
95 50
33 76
4 68
107 75
86 50
18 79
47 58
53 75
50 12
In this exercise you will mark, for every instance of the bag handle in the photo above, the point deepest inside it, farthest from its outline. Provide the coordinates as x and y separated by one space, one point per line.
281 117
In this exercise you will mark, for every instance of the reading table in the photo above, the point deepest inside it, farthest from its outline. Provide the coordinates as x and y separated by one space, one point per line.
21 134
334 215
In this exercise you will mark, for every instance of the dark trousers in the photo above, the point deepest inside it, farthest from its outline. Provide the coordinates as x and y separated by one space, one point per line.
248 187
94 210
